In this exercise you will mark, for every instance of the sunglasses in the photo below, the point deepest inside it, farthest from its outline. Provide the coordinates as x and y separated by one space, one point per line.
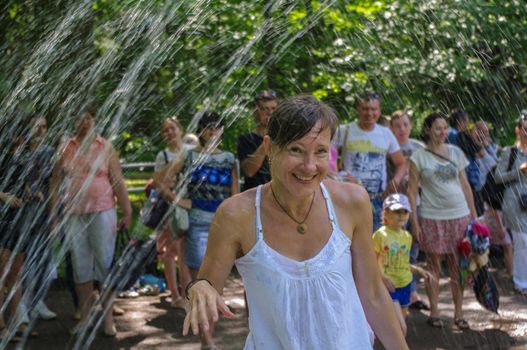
265 95
370 96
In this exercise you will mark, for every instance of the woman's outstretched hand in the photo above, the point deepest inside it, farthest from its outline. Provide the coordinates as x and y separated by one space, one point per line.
205 302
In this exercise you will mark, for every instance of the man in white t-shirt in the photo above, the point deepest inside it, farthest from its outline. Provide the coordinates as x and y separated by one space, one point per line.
365 146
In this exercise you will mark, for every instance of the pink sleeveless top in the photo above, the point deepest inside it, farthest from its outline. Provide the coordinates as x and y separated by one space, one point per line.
87 186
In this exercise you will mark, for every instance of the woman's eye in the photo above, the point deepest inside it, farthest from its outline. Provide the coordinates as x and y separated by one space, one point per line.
295 150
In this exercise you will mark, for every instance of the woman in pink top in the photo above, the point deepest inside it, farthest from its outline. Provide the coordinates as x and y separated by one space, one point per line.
90 177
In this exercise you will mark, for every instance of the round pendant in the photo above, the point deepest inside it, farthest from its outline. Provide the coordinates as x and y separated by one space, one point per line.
302 228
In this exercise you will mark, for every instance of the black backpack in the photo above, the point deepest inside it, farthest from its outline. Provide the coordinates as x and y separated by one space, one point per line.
492 192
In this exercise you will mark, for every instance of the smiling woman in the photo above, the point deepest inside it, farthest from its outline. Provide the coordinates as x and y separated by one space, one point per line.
447 207
291 242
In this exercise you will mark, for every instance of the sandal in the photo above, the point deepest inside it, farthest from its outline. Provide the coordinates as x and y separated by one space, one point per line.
461 324
435 322
418 305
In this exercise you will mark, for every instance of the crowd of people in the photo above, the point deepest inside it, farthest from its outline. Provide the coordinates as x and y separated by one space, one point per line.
330 217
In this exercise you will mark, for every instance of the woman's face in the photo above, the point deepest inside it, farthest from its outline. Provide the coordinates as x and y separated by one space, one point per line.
171 132
401 128
438 131
39 129
212 132
85 124
301 165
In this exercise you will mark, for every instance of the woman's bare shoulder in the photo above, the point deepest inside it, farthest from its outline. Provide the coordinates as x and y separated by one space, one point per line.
237 212
351 203
346 194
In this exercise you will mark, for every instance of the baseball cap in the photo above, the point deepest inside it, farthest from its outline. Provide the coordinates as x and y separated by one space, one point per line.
397 201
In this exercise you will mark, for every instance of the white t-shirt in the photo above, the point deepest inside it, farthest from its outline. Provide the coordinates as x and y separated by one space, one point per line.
365 154
442 197
160 158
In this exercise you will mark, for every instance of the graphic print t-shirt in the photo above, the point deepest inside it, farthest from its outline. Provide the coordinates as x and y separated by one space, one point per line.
394 251
365 154
210 181
442 197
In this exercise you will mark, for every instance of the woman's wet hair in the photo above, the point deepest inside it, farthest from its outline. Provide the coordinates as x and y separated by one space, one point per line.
428 122
296 116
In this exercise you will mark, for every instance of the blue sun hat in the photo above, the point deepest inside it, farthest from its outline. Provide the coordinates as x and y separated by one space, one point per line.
397 201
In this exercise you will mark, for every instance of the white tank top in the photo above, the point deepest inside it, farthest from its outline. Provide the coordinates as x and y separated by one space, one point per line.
310 304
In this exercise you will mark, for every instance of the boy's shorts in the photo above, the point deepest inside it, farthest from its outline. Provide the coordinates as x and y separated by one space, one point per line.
402 295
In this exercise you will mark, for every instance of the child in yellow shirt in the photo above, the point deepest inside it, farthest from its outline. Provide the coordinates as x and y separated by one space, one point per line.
392 244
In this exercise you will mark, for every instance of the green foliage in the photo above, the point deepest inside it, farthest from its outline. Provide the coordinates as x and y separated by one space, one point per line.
146 60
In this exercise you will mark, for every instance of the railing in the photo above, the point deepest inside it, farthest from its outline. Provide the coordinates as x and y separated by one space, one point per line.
141 167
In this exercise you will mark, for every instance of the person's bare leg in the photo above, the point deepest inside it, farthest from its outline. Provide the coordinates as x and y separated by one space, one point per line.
4 258
400 316
109 324
455 285
165 247
432 288
184 271
170 273
85 293
507 258
11 282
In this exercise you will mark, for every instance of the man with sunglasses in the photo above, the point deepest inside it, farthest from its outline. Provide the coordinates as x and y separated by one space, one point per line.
365 146
251 153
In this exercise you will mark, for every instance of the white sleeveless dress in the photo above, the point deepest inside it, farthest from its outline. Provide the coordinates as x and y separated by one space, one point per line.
310 304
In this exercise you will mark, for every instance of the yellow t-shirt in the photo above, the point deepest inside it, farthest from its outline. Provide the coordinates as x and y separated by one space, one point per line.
394 251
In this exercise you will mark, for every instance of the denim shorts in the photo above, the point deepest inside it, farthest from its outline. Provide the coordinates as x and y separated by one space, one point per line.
402 295
196 242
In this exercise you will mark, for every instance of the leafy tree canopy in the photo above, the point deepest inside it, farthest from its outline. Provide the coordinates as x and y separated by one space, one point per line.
143 61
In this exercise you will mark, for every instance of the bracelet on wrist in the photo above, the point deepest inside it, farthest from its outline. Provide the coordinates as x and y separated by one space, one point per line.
192 283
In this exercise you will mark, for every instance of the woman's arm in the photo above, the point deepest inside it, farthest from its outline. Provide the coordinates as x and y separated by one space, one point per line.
119 188
502 174
499 223
467 191
235 185
222 248
373 295
413 190
162 178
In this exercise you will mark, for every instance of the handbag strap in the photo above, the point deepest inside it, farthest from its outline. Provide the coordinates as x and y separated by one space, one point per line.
442 157
166 156
121 242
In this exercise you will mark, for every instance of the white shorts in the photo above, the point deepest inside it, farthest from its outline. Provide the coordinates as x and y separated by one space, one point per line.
91 240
